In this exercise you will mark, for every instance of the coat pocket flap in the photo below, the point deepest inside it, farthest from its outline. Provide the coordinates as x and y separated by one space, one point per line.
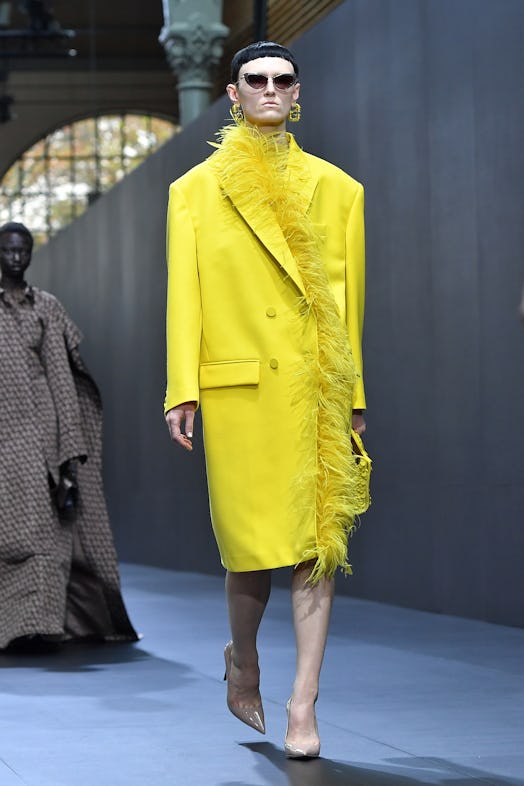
228 373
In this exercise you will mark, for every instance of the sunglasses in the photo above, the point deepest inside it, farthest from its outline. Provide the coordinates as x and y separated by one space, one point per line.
281 82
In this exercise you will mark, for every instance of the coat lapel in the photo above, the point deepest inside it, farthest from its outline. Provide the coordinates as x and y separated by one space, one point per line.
271 236
264 224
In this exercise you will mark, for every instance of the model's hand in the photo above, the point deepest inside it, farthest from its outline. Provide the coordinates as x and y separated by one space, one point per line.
66 491
358 423
180 421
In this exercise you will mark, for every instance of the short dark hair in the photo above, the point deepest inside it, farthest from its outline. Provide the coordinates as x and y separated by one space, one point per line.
260 49
20 229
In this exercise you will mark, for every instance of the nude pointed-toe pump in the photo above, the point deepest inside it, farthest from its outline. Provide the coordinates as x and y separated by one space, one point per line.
297 750
252 715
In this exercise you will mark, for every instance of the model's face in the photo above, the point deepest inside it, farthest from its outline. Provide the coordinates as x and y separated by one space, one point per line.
15 254
266 106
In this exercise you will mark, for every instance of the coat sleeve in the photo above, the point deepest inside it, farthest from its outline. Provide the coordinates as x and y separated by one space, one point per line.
55 360
355 289
184 310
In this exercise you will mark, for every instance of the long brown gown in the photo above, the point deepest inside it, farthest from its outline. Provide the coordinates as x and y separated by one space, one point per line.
58 578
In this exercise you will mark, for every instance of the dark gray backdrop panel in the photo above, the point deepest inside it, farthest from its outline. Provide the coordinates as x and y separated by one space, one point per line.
422 101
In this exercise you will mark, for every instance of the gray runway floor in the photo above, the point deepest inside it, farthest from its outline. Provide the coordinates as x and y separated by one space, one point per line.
407 698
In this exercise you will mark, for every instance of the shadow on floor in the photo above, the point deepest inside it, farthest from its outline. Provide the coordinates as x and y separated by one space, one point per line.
72 656
87 669
405 771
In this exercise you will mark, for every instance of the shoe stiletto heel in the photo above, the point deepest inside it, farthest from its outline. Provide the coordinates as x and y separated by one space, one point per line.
252 715
305 751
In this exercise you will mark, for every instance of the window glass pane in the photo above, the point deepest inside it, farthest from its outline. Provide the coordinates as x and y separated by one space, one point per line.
14 207
59 143
40 236
109 135
132 150
85 138
138 138
110 172
132 163
37 188
32 212
163 130
34 174
79 206
38 150
10 180
57 178
60 213
85 177
5 209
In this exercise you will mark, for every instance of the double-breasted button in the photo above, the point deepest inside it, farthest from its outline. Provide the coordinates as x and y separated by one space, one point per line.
271 312
273 363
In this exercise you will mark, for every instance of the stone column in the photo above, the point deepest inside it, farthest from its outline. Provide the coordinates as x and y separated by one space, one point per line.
193 36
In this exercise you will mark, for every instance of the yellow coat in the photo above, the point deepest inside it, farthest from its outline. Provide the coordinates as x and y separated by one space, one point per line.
237 331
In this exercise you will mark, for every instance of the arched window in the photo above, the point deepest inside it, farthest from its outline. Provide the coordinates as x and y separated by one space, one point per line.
56 179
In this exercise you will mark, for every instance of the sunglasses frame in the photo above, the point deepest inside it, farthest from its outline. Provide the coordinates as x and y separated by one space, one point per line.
267 78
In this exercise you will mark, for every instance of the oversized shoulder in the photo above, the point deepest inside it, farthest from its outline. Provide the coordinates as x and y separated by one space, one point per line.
198 176
55 315
47 301
331 174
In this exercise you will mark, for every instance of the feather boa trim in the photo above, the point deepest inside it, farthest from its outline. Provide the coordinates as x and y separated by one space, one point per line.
264 173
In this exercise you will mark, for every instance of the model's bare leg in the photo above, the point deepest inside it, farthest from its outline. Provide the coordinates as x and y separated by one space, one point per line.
311 614
247 597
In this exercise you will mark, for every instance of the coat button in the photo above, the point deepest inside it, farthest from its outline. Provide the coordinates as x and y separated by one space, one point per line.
273 363
271 312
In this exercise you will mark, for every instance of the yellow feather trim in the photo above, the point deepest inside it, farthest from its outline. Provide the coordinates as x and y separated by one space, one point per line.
262 173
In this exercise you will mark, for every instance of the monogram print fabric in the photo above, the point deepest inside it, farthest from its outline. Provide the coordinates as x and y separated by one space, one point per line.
57 578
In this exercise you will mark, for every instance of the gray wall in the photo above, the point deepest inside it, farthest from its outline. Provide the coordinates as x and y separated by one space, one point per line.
422 101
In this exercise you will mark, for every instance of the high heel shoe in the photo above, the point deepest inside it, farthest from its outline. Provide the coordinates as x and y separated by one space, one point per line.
310 751
252 715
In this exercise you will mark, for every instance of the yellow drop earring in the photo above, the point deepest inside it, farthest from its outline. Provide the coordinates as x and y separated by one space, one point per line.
294 113
237 114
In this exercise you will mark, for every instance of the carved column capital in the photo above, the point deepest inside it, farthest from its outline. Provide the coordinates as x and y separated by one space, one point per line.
194 47
193 41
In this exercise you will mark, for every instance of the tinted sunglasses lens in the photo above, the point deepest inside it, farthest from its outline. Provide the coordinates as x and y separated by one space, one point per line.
284 81
256 81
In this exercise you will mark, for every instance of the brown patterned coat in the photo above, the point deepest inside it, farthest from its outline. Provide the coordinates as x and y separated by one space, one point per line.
56 578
